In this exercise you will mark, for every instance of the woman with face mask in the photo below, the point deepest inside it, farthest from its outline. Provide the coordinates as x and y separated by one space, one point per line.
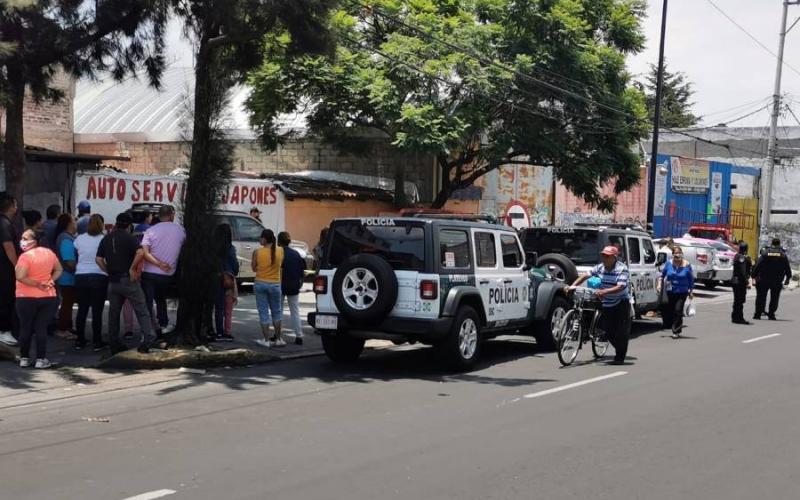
678 279
37 271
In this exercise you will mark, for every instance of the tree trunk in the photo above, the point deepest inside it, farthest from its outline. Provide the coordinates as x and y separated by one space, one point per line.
199 262
14 147
447 187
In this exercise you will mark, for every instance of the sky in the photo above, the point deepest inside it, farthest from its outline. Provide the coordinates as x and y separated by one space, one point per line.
726 67
731 74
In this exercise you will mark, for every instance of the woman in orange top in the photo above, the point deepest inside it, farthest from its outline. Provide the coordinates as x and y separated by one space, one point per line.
37 270
267 262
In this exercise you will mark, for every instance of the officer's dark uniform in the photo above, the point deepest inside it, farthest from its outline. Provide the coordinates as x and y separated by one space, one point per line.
771 272
742 267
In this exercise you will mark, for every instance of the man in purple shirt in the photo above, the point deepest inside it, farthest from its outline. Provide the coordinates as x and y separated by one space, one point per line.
162 245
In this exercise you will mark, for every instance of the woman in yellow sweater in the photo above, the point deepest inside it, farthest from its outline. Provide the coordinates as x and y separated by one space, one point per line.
267 262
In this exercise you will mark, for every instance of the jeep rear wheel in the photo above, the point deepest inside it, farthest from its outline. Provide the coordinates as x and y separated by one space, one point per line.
364 289
547 332
342 348
461 349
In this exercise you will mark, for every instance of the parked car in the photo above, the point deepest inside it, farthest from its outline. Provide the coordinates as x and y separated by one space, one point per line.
712 232
700 255
723 263
567 251
445 282
247 237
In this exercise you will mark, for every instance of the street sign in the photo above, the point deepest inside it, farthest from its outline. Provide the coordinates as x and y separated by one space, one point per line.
517 215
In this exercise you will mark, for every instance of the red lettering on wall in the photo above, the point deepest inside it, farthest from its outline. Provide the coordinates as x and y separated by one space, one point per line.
91 189
110 184
235 195
273 196
135 189
171 189
159 191
245 192
122 186
146 191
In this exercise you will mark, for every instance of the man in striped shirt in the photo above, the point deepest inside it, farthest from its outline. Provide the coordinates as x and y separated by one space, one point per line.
613 293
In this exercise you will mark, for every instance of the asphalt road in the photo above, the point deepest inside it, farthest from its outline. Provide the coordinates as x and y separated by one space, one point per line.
713 415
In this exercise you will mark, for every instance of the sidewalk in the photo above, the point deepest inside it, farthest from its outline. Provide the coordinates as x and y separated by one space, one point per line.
78 369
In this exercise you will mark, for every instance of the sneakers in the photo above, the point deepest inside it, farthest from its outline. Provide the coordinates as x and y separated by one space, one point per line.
43 363
167 329
676 335
7 338
278 342
80 344
772 317
128 335
756 316
298 341
143 348
24 362
264 343
225 337
99 346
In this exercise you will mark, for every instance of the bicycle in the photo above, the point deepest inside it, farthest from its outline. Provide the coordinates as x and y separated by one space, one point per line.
579 325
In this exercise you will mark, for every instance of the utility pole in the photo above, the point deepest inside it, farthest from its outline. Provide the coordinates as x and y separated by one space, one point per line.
651 176
772 148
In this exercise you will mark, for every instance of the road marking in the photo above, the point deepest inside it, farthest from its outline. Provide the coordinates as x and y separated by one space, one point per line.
761 338
150 495
572 386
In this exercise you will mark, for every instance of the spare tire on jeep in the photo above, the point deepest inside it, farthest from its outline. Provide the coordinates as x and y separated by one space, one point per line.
364 289
559 266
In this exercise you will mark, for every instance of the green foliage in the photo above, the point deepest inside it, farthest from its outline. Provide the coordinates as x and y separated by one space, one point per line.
676 106
477 83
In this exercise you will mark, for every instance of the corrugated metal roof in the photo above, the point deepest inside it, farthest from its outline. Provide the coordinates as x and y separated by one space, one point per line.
133 106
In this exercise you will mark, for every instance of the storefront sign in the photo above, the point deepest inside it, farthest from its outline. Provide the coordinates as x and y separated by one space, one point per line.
690 175
112 193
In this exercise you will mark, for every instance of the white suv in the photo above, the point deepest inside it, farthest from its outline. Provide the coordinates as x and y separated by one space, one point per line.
439 281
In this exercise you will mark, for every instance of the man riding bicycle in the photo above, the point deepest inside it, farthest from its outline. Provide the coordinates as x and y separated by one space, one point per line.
613 293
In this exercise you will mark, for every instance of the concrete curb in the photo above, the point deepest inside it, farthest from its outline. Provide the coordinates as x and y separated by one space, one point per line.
185 358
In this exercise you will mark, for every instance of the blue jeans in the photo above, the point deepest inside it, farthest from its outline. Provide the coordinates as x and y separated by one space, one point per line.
268 301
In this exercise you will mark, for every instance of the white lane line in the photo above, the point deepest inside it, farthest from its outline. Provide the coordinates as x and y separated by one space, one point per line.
761 338
150 495
574 385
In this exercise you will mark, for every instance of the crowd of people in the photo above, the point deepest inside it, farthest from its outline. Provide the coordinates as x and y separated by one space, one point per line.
63 261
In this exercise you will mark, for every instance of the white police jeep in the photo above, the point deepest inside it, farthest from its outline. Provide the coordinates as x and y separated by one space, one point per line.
442 281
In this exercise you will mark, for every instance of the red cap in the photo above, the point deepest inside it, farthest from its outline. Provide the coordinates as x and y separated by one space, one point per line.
610 250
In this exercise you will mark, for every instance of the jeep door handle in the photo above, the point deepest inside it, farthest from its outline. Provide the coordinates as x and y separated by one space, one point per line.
484 282
508 282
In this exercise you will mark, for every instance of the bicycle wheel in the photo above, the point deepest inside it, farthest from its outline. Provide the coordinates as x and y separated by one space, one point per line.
599 339
569 342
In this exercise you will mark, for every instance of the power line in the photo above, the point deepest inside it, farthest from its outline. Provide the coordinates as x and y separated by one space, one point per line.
734 120
478 57
756 40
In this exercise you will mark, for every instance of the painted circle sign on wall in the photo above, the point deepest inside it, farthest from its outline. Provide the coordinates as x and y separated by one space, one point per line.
517 215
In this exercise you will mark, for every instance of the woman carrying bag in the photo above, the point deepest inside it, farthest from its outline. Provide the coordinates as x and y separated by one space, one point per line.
677 279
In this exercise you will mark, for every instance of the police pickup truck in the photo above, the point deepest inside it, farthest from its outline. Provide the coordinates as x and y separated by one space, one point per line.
445 281
567 251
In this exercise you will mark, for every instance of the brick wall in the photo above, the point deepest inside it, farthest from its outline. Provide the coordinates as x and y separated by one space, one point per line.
631 205
47 124
163 157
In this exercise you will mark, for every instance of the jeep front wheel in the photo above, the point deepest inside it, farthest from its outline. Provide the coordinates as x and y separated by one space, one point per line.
342 348
461 348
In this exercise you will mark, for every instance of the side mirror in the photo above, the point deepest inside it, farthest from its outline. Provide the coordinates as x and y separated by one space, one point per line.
661 259
531 258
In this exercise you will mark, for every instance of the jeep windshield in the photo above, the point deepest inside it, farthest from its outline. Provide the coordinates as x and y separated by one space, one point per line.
581 246
401 244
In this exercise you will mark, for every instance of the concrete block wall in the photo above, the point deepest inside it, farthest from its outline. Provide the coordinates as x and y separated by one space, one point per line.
49 124
631 205
163 157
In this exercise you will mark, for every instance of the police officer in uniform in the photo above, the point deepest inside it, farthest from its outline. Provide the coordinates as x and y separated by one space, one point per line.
771 273
742 268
